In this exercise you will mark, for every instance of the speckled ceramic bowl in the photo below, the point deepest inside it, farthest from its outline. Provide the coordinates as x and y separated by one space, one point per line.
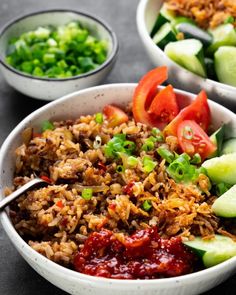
181 78
52 88
71 106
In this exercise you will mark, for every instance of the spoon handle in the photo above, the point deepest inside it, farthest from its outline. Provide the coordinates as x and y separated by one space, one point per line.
5 201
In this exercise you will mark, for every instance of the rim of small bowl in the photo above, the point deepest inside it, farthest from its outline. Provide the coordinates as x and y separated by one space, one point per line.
57 268
109 60
140 17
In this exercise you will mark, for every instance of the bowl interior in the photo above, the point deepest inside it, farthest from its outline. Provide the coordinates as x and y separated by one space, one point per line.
54 18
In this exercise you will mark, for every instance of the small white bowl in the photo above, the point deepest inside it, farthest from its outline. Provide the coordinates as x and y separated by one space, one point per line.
72 106
52 88
181 78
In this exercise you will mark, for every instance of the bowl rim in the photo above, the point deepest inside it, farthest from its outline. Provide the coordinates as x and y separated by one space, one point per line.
98 281
107 62
142 29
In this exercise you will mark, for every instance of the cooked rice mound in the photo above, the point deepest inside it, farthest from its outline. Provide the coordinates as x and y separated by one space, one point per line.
206 13
56 220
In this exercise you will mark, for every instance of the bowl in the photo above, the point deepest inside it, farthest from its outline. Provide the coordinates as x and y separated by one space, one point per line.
52 88
181 78
89 101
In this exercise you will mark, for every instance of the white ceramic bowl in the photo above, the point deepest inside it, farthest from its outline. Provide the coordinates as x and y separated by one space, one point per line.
52 88
71 106
181 78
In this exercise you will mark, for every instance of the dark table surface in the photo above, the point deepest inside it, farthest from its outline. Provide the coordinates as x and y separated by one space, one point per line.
16 277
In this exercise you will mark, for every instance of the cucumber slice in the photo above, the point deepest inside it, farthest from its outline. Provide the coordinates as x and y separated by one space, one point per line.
222 169
188 54
229 146
223 35
225 205
193 32
165 15
164 35
182 19
213 251
210 68
225 65
217 138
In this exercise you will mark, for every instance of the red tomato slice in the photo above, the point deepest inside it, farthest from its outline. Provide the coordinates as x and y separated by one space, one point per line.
144 94
115 115
193 139
197 111
164 105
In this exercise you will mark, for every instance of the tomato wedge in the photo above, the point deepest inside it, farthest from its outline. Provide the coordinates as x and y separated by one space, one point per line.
197 111
115 115
193 139
164 105
144 94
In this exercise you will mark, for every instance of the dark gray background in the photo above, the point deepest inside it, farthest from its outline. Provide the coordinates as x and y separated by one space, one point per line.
16 277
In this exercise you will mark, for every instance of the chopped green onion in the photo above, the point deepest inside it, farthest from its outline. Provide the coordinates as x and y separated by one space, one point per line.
158 134
129 146
148 146
148 164
221 188
47 125
87 194
166 154
118 144
99 118
202 170
132 161
196 159
147 205
120 169
229 20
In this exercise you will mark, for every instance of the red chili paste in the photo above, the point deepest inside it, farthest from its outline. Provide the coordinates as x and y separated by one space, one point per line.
143 255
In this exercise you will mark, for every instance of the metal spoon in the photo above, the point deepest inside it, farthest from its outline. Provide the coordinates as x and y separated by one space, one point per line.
29 185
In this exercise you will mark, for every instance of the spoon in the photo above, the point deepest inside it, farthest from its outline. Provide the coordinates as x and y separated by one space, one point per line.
29 185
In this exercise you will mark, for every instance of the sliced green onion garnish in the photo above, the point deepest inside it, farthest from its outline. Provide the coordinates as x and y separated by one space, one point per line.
166 154
229 20
196 159
99 118
147 205
148 146
158 134
87 194
120 169
47 125
129 146
132 161
148 164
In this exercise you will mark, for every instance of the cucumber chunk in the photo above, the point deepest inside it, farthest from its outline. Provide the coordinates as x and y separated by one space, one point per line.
229 146
225 205
165 15
188 54
164 35
225 64
182 19
222 169
193 32
210 68
223 35
213 251
217 138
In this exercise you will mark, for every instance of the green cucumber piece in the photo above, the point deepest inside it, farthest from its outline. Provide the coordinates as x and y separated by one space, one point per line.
164 35
188 54
225 64
213 251
182 19
217 138
229 146
223 35
165 15
210 68
222 169
191 31
225 205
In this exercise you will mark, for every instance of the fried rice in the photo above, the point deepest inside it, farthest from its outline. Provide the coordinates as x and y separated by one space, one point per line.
56 220
206 13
